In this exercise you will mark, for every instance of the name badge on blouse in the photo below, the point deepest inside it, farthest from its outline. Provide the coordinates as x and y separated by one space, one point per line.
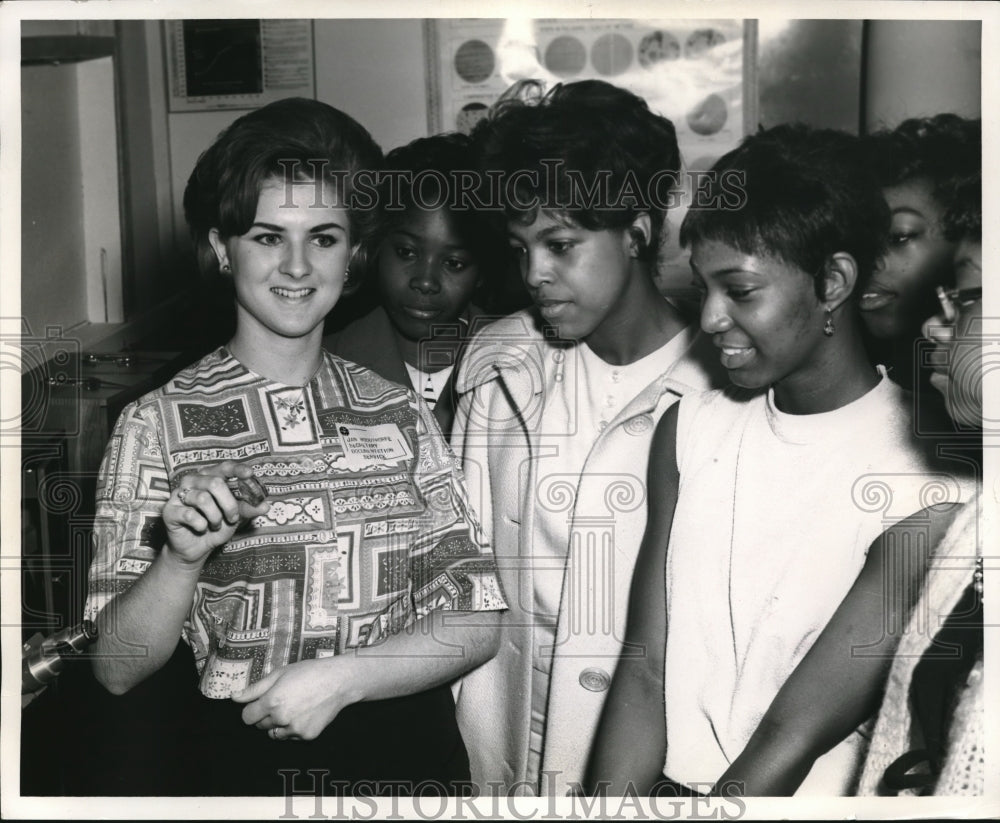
370 446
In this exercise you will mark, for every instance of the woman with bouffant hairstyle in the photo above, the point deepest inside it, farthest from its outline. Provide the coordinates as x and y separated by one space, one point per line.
295 520
557 406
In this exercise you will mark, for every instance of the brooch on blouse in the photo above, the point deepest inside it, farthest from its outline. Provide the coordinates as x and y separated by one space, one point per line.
293 410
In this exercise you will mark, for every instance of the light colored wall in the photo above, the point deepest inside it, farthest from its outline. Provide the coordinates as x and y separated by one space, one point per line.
53 248
371 69
374 70
917 68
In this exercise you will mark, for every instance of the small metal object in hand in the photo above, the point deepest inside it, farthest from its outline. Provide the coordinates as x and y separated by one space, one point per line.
248 489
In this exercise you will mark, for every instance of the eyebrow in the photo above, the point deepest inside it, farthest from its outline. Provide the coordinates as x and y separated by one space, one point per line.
909 210
313 230
541 234
549 230
723 272
418 237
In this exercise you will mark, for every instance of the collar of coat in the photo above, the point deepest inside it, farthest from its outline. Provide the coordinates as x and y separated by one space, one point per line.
514 348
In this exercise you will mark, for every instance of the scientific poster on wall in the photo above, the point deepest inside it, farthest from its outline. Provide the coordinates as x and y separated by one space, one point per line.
698 73
238 64
691 71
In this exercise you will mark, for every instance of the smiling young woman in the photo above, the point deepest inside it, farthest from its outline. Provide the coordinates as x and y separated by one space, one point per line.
761 521
771 327
916 164
314 616
288 271
929 738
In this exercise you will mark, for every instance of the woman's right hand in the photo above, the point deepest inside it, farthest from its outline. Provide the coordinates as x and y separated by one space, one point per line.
202 513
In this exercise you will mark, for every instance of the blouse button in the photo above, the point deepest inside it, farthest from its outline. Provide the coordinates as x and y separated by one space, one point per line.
616 377
595 680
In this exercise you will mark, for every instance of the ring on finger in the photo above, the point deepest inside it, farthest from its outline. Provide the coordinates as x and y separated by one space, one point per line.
182 492
273 733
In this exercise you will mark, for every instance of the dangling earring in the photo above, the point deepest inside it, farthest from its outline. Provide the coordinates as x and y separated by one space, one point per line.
828 327
637 246
347 276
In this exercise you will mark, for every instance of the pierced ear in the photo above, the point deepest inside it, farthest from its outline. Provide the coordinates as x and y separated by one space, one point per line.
639 233
840 275
219 247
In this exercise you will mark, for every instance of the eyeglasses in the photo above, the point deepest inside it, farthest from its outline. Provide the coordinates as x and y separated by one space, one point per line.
958 298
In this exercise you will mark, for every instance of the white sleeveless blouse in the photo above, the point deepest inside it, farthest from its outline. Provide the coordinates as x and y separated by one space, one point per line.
774 519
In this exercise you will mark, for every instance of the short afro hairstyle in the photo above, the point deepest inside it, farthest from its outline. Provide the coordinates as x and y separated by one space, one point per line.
444 155
805 194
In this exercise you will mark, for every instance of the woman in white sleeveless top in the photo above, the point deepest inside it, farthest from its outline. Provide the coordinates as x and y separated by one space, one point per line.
773 501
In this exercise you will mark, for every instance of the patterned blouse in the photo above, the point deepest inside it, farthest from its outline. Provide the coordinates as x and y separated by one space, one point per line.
368 528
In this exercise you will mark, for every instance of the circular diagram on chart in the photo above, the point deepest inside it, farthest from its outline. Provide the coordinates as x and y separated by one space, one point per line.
611 54
701 40
474 61
709 116
656 47
565 56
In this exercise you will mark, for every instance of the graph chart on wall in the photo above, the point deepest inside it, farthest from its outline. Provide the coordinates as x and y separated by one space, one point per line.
695 72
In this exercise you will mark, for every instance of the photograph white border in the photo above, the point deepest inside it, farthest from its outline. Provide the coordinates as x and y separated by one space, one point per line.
15 807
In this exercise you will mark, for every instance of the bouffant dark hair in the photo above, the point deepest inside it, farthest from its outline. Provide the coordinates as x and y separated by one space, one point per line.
963 218
595 151
293 136
942 149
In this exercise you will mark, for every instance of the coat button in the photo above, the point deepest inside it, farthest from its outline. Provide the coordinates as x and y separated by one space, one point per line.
639 425
595 680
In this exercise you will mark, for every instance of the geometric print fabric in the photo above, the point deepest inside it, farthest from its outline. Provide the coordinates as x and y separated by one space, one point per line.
350 550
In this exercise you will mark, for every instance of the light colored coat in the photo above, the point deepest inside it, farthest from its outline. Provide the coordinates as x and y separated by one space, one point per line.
497 435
